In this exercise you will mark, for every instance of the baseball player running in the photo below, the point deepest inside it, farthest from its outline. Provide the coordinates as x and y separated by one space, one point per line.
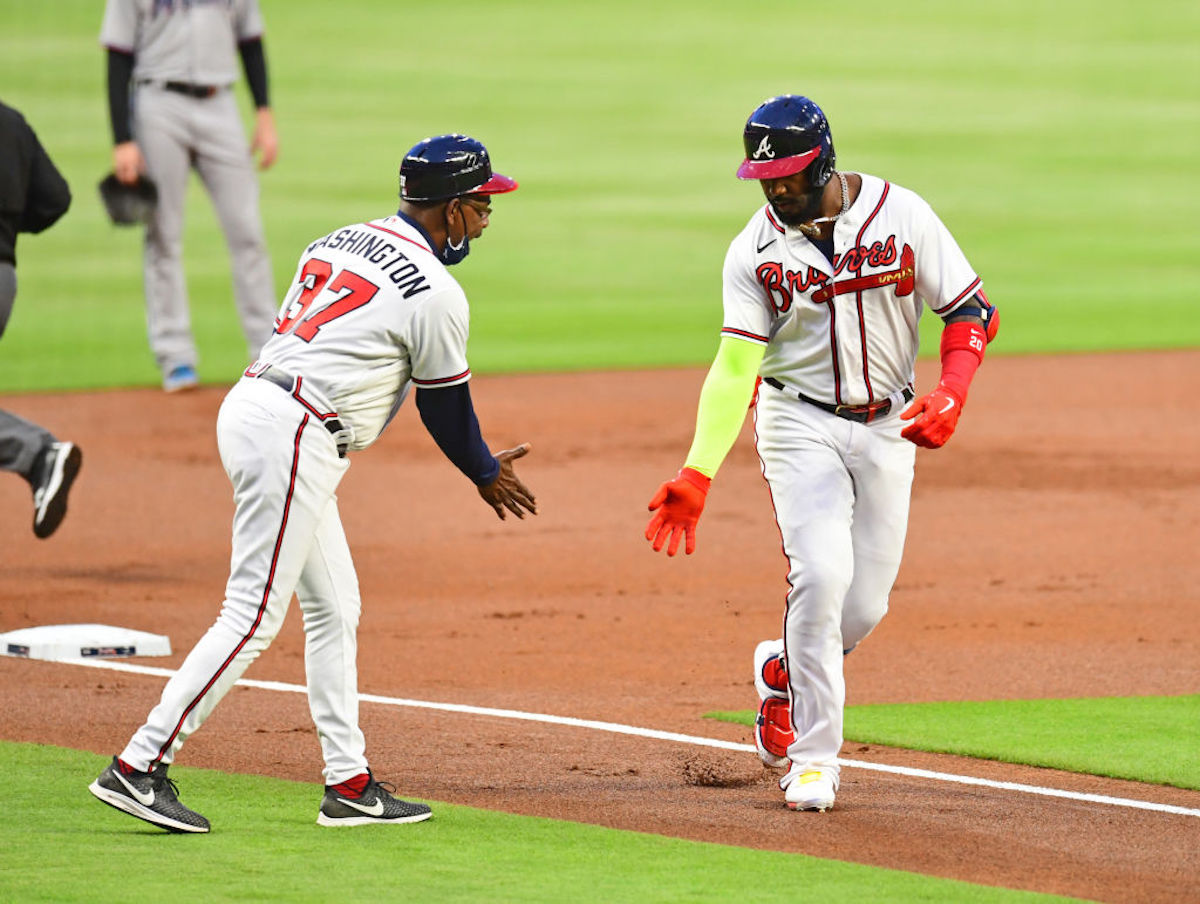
823 289
371 312
171 65
33 197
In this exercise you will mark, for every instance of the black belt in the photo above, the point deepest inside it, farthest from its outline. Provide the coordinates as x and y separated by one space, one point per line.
187 88
287 383
862 414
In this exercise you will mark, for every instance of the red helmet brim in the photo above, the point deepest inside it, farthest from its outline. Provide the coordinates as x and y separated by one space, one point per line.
776 169
497 185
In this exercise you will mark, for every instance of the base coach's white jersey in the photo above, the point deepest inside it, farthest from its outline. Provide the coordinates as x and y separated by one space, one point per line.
370 311
845 332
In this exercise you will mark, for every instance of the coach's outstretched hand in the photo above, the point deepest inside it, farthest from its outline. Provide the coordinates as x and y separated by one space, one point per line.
677 506
507 491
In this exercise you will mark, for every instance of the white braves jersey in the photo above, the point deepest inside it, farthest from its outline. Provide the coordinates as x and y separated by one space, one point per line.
370 311
191 41
845 333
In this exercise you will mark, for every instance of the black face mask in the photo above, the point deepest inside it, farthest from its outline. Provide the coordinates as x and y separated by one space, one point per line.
452 254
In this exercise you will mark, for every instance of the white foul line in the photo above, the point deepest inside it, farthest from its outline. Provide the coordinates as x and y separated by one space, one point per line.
617 728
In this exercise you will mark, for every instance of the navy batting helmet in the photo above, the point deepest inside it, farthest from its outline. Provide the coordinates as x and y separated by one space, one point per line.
785 135
447 166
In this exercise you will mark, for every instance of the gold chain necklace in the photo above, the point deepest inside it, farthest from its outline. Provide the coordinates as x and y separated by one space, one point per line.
812 228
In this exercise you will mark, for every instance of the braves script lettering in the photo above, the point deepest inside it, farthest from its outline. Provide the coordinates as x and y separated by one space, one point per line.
782 285
880 254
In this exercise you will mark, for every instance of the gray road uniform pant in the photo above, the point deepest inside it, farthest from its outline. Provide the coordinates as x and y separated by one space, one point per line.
176 132
20 443
20 440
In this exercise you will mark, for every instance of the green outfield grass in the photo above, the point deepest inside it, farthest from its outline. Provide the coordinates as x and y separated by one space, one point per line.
1145 739
68 847
1058 142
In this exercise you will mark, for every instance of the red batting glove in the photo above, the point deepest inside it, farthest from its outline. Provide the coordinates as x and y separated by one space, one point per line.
678 504
936 417
936 414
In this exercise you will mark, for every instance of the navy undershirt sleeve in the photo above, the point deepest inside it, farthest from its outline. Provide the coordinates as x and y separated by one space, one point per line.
449 416
254 61
120 71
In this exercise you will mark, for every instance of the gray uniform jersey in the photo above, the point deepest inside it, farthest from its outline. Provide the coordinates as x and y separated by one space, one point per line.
191 41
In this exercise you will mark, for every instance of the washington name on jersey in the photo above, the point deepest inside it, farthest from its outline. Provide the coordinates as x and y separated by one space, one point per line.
377 248
370 313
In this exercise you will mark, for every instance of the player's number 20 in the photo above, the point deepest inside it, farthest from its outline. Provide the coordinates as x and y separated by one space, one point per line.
349 291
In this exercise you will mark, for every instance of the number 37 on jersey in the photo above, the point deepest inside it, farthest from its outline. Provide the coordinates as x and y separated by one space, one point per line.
343 293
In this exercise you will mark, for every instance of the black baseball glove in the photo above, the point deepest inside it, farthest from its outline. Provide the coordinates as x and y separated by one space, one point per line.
128 205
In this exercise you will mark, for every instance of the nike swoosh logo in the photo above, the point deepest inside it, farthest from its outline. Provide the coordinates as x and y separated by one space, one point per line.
376 809
767 245
146 800
949 405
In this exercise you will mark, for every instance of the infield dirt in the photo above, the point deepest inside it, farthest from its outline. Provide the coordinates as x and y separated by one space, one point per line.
1051 553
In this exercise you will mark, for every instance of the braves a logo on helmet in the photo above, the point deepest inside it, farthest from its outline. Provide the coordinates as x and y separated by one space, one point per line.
764 149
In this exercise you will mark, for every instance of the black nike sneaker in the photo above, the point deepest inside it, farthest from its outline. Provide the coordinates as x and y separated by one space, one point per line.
147 795
375 806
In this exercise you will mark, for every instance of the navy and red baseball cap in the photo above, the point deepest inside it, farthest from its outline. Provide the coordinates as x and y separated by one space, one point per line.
449 166
784 136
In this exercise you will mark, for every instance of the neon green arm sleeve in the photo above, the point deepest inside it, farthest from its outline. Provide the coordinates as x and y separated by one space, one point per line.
723 402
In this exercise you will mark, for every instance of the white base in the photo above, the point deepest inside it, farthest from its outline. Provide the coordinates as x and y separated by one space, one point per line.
74 642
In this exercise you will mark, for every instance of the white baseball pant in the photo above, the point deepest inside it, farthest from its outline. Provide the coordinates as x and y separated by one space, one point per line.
840 490
287 536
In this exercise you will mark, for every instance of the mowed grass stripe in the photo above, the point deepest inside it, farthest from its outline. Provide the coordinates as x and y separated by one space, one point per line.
61 844
1145 739
1056 141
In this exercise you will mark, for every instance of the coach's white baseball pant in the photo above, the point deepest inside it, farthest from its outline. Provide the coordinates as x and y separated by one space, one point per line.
841 496
287 536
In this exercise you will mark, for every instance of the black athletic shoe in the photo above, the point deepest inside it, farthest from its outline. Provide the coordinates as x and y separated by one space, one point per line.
375 806
147 795
58 468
